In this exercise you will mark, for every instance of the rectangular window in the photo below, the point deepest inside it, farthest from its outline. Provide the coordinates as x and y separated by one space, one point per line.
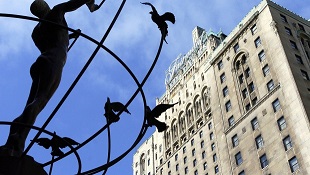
257 42
253 29
200 134
266 70
220 65
205 166
231 120
196 172
186 170
202 144
254 123
270 85
193 152
214 158
283 18
254 101
293 164
184 149
259 142
304 74
248 107
299 59
241 78
244 93
213 146
176 157
177 167
247 72
203 154
216 169
235 140
185 160
287 142
288 31
211 136
228 106
263 161
251 87
261 55
238 158
223 78
192 142
225 91
236 48
293 45
276 105
281 123
168 164
210 125
194 162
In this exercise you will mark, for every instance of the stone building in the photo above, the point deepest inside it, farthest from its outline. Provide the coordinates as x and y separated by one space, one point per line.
243 101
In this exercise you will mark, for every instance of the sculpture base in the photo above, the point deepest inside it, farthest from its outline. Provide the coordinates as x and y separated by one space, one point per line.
20 166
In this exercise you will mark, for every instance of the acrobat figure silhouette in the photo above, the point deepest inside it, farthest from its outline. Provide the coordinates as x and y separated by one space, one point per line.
46 71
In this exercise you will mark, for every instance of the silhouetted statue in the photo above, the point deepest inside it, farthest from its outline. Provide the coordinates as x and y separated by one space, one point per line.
46 71
160 20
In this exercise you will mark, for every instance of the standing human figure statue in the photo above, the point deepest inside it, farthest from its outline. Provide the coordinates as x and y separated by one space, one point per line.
46 71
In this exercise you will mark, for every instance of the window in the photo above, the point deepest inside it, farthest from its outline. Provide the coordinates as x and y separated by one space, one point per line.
293 45
235 140
248 107
203 154
283 18
177 167
301 27
225 91
168 164
176 157
263 161
281 123
257 42
193 152
266 70
228 106
293 164
241 78
202 144
254 101
216 169
223 78
287 142
161 171
169 173
288 31
220 65
231 120
214 158
299 59
185 160
270 85
261 55
210 125
244 93
196 172
211 136
247 72
213 146
242 173
254 123
148 162
205 166
194 162
276 105
236 48
251 87
192 142
259 142
160 161
184 149
253 29
238 158
186 170
200 134
304 74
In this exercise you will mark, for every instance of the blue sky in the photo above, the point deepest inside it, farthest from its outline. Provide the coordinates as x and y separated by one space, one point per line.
135 40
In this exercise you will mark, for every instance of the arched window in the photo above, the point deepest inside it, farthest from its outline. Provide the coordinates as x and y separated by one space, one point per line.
142 164
174 128
206 97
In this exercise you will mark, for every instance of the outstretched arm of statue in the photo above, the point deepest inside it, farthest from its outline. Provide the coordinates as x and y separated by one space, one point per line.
75 4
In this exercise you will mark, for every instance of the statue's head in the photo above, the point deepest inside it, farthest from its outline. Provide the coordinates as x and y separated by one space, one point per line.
39 8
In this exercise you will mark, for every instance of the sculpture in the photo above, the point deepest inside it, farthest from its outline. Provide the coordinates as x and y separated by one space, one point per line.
53 42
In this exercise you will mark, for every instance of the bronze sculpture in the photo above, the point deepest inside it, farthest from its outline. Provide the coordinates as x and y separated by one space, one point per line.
46 71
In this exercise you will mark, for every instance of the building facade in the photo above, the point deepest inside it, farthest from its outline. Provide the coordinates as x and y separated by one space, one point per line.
243 101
